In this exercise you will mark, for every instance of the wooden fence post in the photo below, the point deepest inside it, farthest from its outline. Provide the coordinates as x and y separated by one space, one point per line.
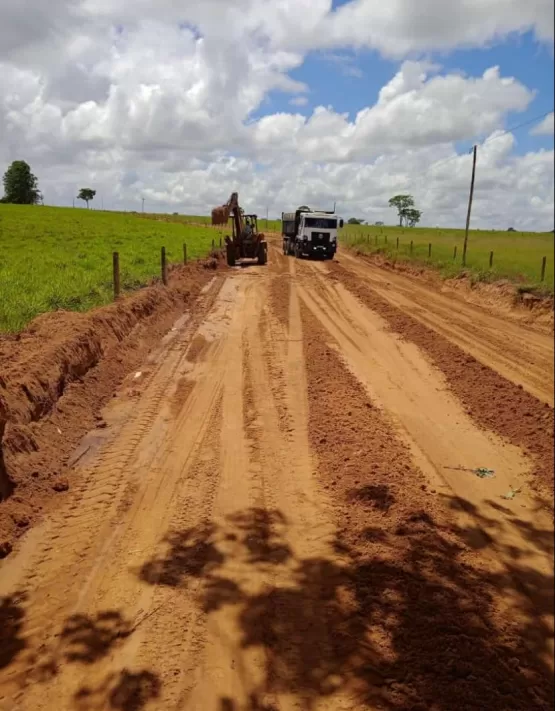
115 270
430 250
455 253
411 247
544 264
386 239
184 253
490 260
397 243
376 239
164 266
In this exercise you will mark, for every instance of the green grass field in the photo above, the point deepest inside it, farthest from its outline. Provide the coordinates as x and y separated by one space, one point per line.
61 258
517 256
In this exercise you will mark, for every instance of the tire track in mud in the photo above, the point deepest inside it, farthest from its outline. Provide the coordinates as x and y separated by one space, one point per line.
83 595
88 501
283 529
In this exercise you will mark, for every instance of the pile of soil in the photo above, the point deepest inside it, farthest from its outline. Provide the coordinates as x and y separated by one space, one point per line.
58 373
500 297
492 401
423 623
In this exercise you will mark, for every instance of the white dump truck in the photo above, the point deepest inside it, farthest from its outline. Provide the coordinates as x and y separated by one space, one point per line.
310 233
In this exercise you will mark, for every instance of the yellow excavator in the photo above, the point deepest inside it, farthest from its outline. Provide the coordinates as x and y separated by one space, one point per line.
246 241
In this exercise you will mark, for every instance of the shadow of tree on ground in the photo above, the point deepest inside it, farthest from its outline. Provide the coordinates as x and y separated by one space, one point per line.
123 691
12 615
401 621
84 640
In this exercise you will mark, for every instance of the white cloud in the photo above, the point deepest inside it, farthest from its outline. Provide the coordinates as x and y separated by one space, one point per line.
156 99
398 27
412 110
545 127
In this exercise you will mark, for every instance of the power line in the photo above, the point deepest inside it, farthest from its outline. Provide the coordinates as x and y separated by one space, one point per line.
488 140
515 128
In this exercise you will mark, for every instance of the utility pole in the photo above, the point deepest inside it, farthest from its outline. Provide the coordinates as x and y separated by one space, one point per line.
143 204
471 196
266 218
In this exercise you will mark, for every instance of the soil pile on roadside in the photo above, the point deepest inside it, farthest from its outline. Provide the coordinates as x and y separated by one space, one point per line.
500 297
492 401
423 624
57 374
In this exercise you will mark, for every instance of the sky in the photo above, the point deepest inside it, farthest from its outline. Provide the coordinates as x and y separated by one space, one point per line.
287 102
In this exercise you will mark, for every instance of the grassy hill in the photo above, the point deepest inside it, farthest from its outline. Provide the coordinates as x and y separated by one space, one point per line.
61 258
517 256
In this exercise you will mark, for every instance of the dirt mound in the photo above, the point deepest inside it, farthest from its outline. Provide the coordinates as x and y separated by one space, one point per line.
492 401
58 373
499 298
429 608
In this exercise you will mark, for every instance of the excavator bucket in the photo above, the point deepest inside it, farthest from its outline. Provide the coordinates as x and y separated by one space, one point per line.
220 215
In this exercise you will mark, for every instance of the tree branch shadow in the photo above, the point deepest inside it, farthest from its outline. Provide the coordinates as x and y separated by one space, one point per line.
397 617
122 691
84 640
12 616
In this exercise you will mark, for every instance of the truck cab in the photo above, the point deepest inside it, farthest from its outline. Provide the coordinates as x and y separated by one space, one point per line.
310 234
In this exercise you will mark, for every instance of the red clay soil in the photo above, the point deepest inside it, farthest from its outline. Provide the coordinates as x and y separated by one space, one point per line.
420 625
501 296
55 377
279 286
492 401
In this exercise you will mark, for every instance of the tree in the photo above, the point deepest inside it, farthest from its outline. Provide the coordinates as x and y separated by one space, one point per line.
402 203
86 194
412 216
354 221
20 185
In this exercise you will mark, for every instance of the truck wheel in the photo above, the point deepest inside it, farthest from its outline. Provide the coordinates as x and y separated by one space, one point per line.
230 253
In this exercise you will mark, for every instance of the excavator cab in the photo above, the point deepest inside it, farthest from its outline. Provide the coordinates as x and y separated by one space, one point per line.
251 226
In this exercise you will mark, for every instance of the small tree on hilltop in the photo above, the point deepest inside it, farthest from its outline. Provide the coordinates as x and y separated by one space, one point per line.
412 216
20 185
354 221
86 194
402 203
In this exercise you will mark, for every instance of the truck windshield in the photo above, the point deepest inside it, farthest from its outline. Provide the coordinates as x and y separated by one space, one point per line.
321 223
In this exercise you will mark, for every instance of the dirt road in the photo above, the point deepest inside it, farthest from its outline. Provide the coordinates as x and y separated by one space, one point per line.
282 515
518 353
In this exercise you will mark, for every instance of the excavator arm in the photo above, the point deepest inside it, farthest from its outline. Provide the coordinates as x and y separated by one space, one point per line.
220 215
